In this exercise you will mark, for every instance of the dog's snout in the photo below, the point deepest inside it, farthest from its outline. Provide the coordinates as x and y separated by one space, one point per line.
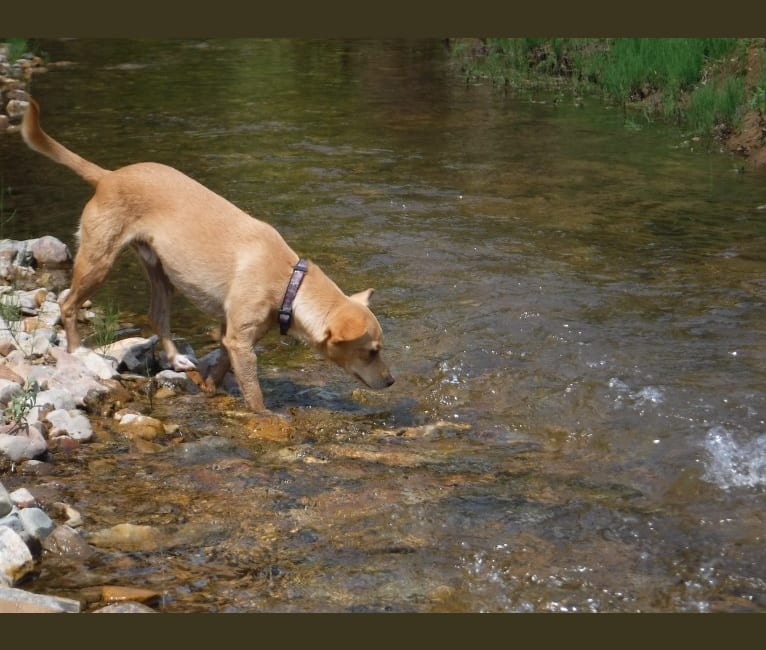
389 381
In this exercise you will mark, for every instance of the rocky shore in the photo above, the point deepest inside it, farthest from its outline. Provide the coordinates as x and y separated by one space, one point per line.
47 399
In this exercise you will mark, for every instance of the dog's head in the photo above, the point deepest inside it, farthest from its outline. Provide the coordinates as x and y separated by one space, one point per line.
354 340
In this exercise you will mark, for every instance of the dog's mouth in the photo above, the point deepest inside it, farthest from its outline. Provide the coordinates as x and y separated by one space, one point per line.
385 383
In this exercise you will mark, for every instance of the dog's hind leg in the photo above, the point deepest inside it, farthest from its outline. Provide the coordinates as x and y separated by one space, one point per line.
160 291
217 372
95 256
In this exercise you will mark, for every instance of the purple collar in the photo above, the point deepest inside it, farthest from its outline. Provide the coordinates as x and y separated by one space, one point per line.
286 310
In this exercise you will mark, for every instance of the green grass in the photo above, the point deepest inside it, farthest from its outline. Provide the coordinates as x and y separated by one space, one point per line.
713 104
16 47
624 70
105 326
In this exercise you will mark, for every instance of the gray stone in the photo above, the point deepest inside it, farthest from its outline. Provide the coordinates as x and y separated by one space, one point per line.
131 354
67 542
13 521
36 522
49 251
18 601
50 313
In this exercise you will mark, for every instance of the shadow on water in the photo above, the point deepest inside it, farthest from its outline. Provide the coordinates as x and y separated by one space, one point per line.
574 313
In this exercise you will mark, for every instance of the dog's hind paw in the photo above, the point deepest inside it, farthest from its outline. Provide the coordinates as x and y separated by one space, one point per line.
182 363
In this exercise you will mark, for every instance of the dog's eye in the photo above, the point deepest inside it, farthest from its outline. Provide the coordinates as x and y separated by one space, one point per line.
374 353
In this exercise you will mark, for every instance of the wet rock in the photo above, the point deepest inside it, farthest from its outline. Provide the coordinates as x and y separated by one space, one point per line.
208 449
35 467
136 425
118 594
66 542
127 537
72 516
125 608
16 561
108 398
36 522
72 423
18 601
175 381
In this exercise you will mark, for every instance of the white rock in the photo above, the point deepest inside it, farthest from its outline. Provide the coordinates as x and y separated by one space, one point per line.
6 503
24 445
72 423
16 560
23 498
58 398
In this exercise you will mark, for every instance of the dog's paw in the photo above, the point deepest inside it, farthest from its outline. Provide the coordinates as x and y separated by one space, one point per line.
182 363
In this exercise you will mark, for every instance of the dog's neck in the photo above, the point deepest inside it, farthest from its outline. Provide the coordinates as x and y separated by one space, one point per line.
316 298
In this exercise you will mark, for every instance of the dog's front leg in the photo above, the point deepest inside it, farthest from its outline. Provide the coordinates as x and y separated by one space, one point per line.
240 345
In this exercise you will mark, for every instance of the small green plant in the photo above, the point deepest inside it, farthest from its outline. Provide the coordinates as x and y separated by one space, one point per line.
22 403
10 313
105 325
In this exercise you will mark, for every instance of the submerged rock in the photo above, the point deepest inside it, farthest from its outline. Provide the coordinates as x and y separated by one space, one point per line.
18 601
127 537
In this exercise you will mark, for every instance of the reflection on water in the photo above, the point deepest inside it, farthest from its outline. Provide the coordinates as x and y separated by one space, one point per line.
574 312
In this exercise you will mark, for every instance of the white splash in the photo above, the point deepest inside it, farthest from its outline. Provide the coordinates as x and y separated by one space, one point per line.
735 463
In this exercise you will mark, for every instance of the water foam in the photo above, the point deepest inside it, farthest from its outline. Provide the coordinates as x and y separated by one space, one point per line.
735 463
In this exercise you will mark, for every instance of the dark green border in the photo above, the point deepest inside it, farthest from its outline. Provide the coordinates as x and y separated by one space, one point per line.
393 18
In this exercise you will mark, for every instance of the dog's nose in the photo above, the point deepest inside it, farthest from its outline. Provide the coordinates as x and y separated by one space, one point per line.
389 380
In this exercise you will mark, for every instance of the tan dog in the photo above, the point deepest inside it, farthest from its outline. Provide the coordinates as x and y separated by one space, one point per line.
231 265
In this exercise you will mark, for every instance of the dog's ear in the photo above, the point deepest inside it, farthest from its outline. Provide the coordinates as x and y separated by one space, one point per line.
363 297
347 330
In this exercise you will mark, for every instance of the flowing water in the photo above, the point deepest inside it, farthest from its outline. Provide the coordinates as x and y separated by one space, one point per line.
573 305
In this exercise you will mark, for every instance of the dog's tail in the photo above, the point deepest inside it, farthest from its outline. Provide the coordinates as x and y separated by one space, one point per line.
41 142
